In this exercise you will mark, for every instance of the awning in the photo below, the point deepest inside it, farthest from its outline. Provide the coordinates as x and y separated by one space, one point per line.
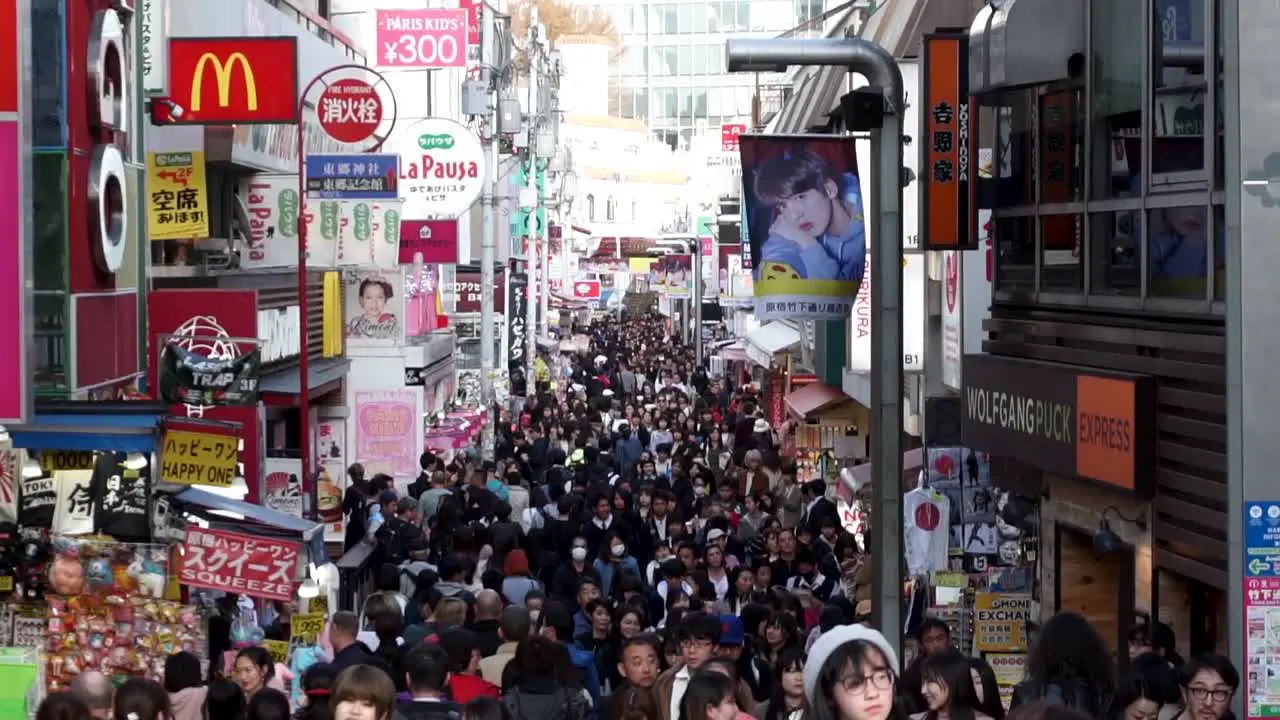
733 351
912 462
322 372
770 339
124 431
1025 42
218 509
813 399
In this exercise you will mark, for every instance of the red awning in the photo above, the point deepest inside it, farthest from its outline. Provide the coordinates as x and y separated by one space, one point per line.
814 398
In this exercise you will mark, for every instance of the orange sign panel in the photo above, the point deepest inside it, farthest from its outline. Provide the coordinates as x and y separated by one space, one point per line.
945 182
225 81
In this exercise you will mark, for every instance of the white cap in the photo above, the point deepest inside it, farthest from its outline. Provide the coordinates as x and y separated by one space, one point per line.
761 426
829 641
607 392
714 534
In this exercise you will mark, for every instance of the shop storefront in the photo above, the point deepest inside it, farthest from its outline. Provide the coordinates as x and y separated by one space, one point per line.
1082 440
829 430
463 295
227 323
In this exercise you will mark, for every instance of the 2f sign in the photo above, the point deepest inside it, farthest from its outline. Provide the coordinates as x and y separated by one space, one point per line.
435 38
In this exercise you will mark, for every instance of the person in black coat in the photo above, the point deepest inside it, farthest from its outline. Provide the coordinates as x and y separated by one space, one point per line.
817 507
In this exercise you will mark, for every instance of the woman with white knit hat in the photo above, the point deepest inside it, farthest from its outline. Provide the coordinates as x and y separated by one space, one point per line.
852 674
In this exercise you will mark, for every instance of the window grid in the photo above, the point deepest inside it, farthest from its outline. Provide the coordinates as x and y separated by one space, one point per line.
1159 192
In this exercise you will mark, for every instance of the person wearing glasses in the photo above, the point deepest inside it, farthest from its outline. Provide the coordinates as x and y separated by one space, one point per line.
1208 683
851 674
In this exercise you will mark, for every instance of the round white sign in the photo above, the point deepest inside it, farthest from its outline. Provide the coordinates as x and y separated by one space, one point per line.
442 168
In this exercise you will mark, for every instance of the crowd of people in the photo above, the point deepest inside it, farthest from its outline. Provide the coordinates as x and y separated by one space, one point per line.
640 549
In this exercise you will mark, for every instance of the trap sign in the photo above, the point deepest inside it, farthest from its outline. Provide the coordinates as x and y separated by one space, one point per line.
1000 622
350 110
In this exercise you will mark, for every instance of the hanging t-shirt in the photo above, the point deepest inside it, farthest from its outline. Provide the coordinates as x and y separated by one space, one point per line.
73 514
122 506
36 500
926 519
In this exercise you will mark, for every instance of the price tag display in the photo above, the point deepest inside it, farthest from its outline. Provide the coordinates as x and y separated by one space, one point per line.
306 627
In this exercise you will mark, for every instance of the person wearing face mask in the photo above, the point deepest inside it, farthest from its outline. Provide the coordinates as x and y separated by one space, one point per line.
569 575
613 562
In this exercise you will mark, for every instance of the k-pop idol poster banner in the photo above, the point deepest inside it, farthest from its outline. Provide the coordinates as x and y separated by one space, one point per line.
803 212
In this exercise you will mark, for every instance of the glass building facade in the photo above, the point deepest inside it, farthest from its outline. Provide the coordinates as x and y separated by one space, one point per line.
1107 187
671 72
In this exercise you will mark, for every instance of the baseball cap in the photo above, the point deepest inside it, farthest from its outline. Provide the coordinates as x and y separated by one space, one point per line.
714 535
387 496
732 632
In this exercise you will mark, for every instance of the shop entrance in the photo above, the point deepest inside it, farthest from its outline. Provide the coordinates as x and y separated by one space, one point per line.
1099 588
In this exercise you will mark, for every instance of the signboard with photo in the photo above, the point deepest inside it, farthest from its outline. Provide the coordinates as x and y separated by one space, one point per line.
374 306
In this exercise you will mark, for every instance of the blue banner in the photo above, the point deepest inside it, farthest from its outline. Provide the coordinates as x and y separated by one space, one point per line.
353 177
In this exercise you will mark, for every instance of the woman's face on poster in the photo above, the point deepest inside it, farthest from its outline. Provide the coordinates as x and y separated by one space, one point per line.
810 211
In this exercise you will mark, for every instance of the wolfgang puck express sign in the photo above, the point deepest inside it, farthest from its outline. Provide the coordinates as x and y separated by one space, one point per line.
1063 419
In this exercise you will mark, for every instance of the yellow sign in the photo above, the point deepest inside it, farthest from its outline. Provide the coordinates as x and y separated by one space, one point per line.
1009 669
318 605
279 650
179 196
1000 622
55 460
306 627
222 73
195 457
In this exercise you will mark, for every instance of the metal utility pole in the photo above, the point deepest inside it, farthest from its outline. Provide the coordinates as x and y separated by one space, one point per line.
488 237
885 241
533 53
545 242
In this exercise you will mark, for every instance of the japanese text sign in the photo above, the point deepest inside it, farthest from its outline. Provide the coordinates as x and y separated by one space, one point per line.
1261 538
179 205
353 177
279 650
1000 622
435 38
350 110
1261 645
729 136
946 152
467 289
436 240
517 332
191 458
227 561
234 80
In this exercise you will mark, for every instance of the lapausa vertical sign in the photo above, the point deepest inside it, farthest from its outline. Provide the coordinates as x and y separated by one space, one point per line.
517 332
946 191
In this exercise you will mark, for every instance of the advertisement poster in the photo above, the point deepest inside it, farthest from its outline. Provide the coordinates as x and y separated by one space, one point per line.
803 208
374 306
1262 647
517 333
422 39
1000 622
179 202
678 274
386 432
331 448
282 485
951 302
1010 669
339 232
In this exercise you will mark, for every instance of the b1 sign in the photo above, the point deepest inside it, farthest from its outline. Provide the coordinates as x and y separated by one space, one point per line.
435 38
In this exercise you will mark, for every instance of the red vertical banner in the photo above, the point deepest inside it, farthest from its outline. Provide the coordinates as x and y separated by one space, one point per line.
945 183
777 392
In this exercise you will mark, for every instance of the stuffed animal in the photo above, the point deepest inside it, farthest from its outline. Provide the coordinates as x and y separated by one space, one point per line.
147 573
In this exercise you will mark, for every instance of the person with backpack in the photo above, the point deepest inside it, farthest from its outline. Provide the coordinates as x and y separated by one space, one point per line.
426 668
543 683
1068 666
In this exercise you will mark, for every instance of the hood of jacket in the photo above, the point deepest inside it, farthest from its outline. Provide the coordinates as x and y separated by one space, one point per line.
448 588
430 710
188 704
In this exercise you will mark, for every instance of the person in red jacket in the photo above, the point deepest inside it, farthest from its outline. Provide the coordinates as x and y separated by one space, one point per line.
465 684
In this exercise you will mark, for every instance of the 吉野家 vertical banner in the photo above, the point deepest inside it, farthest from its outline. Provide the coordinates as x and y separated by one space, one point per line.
946 193
802 209
178 206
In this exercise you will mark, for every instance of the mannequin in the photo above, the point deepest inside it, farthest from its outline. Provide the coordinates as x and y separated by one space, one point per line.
420 298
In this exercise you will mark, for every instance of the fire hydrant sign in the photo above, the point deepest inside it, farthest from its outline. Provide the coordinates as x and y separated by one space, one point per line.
422 39
350 110
194 458
227 561
1000 622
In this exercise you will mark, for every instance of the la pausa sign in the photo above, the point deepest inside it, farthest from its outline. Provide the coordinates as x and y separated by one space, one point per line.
442 169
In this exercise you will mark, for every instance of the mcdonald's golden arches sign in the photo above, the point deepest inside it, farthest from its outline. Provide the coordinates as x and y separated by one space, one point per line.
238 80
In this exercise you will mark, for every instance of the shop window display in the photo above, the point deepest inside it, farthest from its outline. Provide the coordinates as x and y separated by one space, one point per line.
1178 86
983 584
1178 247
1115 252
